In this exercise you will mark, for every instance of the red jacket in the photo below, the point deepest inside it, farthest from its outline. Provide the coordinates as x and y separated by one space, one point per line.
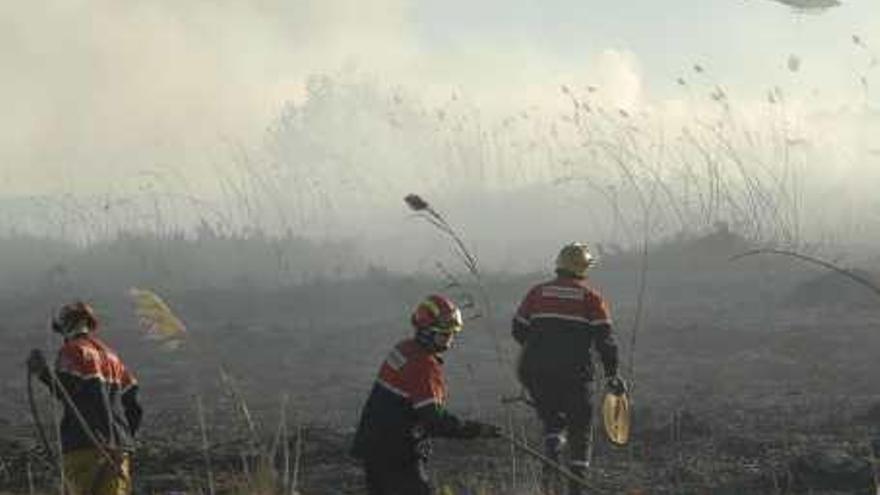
406 406
103 391
558 322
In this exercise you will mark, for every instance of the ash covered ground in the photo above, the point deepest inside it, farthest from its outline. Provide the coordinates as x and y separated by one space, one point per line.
756 376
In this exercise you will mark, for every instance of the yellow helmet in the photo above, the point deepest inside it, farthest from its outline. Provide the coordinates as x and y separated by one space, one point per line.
575 259
437 314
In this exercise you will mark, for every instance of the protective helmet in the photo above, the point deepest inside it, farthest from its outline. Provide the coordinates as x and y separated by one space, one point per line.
437 314
71 315
575 259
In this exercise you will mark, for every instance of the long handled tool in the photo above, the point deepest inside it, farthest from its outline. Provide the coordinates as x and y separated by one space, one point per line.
38 422
555 466
56 386
41 431
522 397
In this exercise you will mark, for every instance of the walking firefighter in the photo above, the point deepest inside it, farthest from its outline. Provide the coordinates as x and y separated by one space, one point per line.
406 406
557 324
101 411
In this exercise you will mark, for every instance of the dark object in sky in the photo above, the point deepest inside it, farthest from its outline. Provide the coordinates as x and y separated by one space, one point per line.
415 202
810 5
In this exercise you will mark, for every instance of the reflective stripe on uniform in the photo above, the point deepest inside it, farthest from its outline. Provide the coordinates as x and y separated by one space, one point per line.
578 319
412 373
392 389
425 402
396 359
81 376
560 316
86 357
558 292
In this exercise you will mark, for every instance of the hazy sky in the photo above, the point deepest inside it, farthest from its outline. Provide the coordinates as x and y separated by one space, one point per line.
744 42
97 92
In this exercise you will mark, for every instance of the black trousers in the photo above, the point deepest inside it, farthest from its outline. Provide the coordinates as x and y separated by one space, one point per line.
384 478
563 404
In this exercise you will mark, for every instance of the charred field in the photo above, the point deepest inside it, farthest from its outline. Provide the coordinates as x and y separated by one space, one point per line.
245 162
755 376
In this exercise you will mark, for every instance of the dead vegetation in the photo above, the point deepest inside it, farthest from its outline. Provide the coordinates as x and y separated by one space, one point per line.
738 394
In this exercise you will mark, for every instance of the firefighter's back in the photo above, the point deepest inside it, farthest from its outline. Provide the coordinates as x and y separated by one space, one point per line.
561 315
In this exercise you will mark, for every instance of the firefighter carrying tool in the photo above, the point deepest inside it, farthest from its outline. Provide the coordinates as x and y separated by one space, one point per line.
557 324
101 410
406 406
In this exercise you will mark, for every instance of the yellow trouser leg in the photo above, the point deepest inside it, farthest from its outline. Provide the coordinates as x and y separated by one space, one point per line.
88 473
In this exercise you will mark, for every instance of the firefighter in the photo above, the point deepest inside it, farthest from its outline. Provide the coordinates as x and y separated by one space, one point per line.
101 409
557 324
407 406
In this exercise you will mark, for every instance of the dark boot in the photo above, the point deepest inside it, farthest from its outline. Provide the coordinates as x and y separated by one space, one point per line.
551 481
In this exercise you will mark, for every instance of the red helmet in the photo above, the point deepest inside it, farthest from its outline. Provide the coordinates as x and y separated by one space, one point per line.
437 313
72 314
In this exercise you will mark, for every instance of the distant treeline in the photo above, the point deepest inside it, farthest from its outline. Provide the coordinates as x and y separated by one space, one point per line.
173 261
211 260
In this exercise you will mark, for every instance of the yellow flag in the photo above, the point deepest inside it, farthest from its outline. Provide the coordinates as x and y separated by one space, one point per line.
156 318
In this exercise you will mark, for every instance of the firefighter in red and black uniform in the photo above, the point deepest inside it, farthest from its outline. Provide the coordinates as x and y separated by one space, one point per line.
557 325
104 394
407 406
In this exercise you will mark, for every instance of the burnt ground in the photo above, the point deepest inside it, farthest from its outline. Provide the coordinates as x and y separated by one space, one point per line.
743 383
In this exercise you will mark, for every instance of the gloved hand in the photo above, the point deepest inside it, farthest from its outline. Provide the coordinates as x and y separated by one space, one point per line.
616 385
478 429
36 362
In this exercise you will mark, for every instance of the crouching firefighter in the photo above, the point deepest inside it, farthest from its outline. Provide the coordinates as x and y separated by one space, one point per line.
406 406
557 325
101 410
